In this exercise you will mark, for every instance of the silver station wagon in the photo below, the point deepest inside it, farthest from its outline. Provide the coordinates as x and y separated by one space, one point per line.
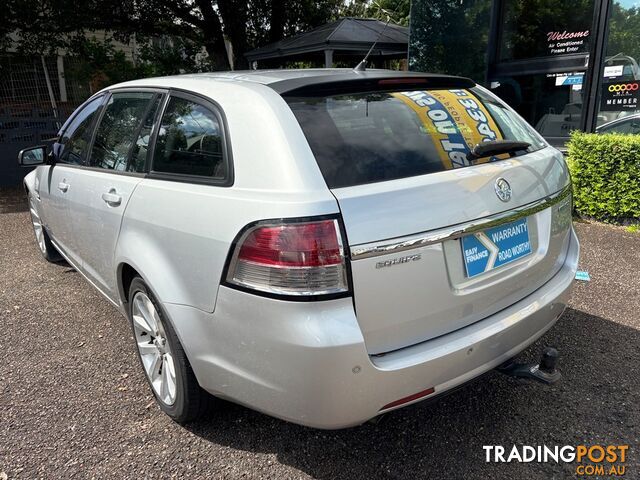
320 245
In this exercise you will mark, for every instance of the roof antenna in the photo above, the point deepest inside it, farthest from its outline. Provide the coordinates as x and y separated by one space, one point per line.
362 66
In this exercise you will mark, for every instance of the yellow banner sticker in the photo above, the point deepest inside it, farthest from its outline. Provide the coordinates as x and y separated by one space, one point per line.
456 122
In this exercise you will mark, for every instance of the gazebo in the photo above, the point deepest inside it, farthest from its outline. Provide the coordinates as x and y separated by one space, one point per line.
345 40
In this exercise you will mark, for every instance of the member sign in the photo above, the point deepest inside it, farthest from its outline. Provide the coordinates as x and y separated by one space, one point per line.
618 97
495 247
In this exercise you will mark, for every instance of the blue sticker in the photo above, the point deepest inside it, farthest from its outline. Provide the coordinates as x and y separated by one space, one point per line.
584 276
495 247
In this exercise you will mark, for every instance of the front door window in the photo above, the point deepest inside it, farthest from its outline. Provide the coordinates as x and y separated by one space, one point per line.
118 129
73 145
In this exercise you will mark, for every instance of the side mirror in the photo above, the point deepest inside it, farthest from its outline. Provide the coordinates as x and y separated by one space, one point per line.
30 157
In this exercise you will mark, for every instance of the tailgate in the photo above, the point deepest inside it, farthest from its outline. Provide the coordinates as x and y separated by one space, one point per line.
415 287
440 235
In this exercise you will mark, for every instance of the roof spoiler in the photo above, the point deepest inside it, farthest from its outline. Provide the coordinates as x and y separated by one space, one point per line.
369 81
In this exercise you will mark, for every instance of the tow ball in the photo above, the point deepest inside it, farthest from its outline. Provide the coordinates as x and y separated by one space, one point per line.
543 372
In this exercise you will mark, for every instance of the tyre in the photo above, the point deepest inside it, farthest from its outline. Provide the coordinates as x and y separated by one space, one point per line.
47 249
163 359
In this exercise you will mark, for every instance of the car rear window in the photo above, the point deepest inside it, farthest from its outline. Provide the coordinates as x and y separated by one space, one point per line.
378 136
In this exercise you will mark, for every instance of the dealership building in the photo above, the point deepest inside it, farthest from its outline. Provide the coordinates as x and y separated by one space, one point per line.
562 64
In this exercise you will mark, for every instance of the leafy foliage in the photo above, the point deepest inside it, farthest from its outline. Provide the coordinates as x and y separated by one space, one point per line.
43 26
606 175
99 64
624 30
395 10
450 36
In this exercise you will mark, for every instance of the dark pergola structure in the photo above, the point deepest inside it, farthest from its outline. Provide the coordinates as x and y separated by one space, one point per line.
347 39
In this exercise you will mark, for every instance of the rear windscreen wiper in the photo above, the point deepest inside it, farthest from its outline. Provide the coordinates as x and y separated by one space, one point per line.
496 147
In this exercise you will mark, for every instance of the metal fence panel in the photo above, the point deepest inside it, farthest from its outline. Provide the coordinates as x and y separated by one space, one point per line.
35 99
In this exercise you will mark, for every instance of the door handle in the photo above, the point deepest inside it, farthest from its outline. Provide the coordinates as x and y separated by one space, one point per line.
112 198
63 187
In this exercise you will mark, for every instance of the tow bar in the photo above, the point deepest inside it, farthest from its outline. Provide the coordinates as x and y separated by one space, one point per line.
543 372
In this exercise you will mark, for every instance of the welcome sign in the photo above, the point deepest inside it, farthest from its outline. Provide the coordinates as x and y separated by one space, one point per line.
561 43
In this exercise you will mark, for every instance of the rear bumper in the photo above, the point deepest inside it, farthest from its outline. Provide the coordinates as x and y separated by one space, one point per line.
307 362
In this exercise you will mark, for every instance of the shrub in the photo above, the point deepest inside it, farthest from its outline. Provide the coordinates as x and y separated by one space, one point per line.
606 175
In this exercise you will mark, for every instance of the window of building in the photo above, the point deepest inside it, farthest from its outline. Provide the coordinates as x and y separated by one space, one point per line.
552 103
450 37
620 87
545 28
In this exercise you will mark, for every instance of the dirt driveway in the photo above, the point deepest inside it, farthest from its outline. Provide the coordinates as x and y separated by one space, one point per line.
74 404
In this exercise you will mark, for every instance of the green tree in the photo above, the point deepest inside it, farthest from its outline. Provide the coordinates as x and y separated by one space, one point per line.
624 31
51 24
450 36
397 11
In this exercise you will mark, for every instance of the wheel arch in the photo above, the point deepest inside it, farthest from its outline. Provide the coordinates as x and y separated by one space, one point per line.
28 183
127 271
125 275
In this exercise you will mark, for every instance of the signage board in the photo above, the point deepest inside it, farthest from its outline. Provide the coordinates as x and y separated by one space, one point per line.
620 96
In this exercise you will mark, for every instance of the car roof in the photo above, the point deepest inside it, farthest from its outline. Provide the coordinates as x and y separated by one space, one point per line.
292 80
614 122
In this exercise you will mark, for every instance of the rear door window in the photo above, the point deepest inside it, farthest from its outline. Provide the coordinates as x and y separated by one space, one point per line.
379 136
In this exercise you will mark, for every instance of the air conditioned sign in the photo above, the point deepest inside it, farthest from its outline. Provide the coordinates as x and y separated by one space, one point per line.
562 43
620 96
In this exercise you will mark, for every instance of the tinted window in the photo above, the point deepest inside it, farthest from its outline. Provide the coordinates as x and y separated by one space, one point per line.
450 36
118 129
189 141
619 93
76 137
545 28
373 137
138 158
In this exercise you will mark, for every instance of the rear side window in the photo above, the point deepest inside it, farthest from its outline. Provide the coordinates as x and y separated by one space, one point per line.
190 141
378 136
118 129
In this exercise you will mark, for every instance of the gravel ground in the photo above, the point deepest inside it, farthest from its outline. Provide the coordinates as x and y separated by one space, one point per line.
74 404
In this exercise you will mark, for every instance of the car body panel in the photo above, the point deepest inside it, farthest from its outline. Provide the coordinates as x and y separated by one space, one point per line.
57 206
436 200
307 362
179 234
97 223
435 295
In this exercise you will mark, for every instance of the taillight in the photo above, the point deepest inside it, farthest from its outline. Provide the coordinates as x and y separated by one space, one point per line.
291 258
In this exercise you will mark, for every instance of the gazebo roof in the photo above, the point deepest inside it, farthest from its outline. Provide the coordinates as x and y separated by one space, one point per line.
353 35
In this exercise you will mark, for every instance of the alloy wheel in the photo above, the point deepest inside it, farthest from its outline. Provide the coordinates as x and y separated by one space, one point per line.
154 348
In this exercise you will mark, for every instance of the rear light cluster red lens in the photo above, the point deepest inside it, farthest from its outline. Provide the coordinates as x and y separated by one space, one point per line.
302 259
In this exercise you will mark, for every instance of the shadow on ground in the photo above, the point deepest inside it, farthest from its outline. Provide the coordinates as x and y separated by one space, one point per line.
13 200
592 404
